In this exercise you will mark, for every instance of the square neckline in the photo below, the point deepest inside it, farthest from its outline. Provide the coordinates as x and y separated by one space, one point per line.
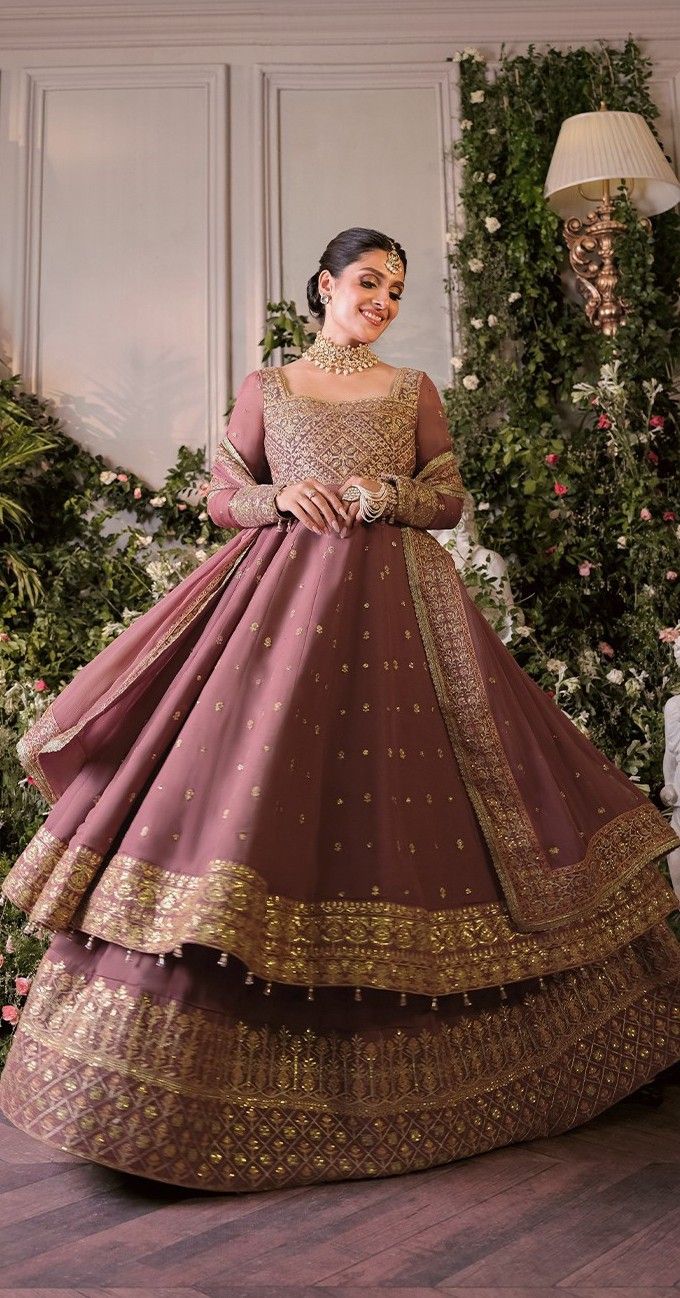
346 401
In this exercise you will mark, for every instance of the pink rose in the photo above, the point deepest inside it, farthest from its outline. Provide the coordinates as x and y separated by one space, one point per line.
645 514
180 507
9 947
122 477
604 422
203 488
652 457
671 575
550 549
10 1014
560 489
552 458
29 779
137 493
39 685
668 516
669 634
605 649
595 401
585 568
23 985
2 958
657 421
4 636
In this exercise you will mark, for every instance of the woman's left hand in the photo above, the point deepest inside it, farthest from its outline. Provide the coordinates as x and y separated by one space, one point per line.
369 484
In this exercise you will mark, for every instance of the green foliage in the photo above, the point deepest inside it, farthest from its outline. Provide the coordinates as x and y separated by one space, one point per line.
570 439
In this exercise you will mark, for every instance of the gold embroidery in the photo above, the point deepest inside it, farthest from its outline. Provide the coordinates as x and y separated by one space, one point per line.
379 944
365 437
419 499
538 895
172 1092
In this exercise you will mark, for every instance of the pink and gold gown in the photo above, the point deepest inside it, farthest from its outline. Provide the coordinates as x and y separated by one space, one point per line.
335 889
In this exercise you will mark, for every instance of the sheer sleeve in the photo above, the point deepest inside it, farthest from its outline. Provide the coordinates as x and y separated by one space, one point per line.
434 497
241 492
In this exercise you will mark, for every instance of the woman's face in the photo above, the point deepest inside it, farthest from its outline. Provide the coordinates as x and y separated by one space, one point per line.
364 299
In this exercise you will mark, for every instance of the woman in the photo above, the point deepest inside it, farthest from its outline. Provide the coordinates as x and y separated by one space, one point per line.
336 890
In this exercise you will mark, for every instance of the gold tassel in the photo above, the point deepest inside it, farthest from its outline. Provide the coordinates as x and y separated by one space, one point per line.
504 994
249 978
161 960
310 993
222 962
267 989
357 993
177 951
128 953
466 999
434 1003
89 944
402 998
542 984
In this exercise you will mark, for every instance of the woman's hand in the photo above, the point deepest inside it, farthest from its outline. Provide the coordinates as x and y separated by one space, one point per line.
316 505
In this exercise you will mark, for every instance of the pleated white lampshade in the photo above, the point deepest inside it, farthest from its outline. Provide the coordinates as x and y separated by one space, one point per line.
608 145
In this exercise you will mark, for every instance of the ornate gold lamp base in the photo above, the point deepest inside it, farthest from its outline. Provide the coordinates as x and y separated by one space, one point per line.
591 245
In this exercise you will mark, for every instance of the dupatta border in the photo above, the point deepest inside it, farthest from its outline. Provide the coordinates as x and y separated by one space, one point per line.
539 895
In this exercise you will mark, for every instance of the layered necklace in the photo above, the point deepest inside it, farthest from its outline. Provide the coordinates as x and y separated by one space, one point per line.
340 359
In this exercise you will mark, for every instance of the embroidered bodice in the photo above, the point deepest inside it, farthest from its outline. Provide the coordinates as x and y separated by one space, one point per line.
276 437
311 437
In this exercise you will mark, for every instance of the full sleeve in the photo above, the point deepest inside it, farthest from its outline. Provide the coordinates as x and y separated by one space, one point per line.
434 497
241 492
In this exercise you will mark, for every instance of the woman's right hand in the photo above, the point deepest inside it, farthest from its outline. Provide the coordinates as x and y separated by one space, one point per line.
322 512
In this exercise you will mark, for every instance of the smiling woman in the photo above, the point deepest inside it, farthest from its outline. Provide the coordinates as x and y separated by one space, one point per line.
337 891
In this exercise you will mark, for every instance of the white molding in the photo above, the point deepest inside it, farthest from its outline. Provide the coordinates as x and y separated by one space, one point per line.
442 79
275 23
25 107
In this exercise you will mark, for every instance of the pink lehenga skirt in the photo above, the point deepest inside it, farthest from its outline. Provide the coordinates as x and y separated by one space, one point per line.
335 889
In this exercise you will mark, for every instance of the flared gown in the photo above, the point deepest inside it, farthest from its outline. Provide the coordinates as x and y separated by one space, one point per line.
335 889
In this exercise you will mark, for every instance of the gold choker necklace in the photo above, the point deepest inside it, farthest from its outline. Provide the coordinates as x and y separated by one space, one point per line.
330 356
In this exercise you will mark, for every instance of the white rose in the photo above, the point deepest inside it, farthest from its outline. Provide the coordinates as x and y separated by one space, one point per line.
483 504
514 297
471 382
477 323
107 476
477 97
457 362
492 224
478 175
157 500
492 320
615 676
621 542
493 130
146 539
475 265
523 630
633 687
201 554
491 176
556 665
465 124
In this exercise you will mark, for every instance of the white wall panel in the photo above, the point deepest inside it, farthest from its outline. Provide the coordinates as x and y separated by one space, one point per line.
365 146
123 315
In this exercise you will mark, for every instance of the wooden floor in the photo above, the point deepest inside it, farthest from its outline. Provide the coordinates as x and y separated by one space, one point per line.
595 1212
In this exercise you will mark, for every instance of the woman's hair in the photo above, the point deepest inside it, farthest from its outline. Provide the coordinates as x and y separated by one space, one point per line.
346 247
